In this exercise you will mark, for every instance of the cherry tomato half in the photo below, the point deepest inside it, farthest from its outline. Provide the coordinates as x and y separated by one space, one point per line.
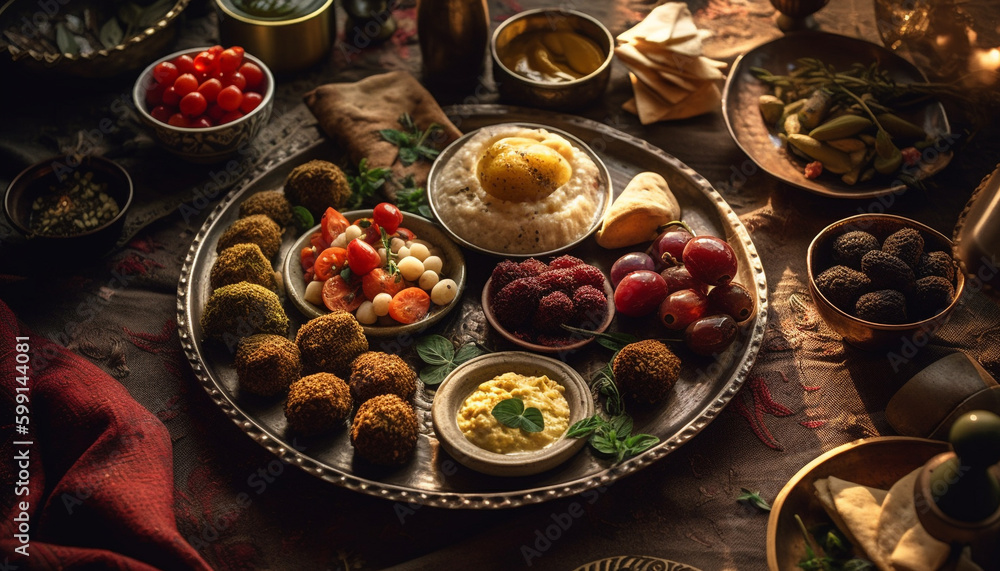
380 280
409 305
330 262
332 224
338 294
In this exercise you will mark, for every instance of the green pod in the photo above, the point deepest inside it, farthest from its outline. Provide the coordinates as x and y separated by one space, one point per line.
771 108
883 145
837 162
840 127
848 145
899 127
816 108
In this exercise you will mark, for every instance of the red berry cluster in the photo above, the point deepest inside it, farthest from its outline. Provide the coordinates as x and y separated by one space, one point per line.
213 88
687 281
532 299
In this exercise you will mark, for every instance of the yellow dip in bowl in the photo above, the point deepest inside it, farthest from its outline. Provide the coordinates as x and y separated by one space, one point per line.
477 423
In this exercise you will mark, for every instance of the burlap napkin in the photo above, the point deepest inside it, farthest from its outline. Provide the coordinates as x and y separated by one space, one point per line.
352 114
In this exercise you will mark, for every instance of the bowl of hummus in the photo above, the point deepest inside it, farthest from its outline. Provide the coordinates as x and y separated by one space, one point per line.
519 189
507 413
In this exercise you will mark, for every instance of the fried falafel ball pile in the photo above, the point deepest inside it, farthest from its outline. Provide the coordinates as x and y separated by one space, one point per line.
385 430
255 229
376 373
645 371
329 343
267 364
242 309
317 185
270 203
318 403
242 263
894 283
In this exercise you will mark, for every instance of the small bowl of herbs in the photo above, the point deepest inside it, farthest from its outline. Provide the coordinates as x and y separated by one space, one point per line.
86 38
71 205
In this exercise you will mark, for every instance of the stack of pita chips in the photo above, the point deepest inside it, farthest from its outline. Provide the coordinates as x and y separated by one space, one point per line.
670 77
885 524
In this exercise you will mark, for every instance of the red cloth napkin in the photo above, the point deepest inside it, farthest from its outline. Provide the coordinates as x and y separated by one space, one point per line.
94 486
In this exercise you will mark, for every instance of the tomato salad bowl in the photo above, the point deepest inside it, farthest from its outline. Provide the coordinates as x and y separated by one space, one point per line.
200 135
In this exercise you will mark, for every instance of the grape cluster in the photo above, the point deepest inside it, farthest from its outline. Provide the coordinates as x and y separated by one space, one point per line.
686 280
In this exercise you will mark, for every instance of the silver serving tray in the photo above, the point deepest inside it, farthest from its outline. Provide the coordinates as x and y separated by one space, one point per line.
432 477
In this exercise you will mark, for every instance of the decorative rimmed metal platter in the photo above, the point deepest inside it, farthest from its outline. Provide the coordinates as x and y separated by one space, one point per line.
431 477
741 111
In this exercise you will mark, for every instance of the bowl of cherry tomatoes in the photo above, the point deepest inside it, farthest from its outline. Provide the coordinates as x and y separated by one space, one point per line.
397 272
205 104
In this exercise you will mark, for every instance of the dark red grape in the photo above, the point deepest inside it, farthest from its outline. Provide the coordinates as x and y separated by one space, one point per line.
710 335
710 259
668 248
640 293
732 299
631 262
681 308
679 278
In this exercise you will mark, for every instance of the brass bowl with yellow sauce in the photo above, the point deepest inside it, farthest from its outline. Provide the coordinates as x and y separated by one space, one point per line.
552 58
467 431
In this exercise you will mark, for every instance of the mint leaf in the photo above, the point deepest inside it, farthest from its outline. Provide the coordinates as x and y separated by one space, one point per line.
754 499
466 352
435 350
434 374
511 412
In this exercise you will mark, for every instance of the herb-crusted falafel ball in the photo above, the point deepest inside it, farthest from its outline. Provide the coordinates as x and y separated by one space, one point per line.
886 271
848 248
930 295
242 263
243 309
317 185
936 263
843 286
385 430
882 306
270 203
267 364
330 342
645 371
376 373
906 244
256 229
317 403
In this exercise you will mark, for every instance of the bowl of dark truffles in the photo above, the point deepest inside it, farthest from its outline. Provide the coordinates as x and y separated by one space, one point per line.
880 279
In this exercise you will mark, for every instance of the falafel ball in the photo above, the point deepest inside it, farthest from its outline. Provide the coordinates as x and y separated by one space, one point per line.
848 248
843 286
242 263
318 403
330 342
317 185
385 430
906 244
270 203
243 309
646 371
376 373
936 263
255 229
930 295
266 364
887 271
882 306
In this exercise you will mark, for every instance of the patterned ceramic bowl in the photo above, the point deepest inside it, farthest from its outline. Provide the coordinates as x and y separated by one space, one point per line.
210 144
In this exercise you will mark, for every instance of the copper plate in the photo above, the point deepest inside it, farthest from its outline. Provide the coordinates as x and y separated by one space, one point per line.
432 477
877 462
742 114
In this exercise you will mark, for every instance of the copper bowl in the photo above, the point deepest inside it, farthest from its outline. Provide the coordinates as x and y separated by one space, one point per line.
866 334
547 94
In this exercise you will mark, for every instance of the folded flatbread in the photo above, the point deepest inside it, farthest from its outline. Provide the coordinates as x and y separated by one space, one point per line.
638 212
897 519
352 114
859 506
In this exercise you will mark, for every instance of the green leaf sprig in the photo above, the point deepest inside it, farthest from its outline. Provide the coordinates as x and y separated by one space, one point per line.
753 498
511 412
413 198
365 183
412 141
441 358
836 548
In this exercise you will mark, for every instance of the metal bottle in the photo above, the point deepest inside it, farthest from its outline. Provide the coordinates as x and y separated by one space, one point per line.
454 36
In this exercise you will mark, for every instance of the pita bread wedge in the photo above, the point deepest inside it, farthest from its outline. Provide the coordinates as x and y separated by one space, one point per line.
642 67
897 518
859 507
639 210
670 22
652 108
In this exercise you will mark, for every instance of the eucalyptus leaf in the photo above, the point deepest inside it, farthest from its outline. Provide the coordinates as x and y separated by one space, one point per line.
511 412
435 350
434 374
111 34
65 40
